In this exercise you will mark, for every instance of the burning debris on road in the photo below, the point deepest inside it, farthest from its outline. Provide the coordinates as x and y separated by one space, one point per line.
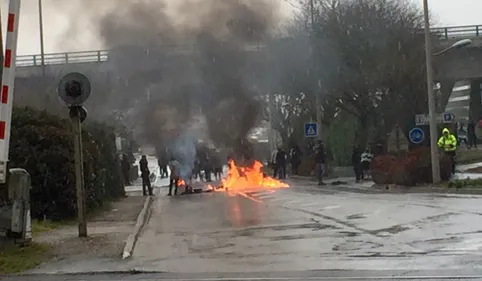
238 180
247 178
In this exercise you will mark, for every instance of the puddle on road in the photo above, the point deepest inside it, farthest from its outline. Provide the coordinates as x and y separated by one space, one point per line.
290 229
348 233
314 226
296 237
356 245
436 242
391 230
355 217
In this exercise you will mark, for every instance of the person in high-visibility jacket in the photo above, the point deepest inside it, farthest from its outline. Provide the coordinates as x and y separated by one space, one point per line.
448 142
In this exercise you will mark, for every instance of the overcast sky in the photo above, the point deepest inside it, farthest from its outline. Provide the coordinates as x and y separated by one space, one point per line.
444 13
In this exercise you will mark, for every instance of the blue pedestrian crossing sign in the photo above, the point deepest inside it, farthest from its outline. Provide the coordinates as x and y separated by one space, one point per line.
416 135
311 129
448 117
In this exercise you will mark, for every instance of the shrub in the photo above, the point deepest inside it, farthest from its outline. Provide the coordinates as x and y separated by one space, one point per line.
42 144
409 169
471 183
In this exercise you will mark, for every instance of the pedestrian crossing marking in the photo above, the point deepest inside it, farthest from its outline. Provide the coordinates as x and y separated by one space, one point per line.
265 196
330 207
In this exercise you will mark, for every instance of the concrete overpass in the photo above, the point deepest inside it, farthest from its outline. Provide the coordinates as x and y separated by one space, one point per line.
451 68
58 63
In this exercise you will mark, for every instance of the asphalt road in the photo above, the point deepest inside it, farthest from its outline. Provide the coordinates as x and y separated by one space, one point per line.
264 276
302 233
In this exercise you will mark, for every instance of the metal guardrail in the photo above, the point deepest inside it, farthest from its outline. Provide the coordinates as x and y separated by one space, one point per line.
103 55
63 58
468 31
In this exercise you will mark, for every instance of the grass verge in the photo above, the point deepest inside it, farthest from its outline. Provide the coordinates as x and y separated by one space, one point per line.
16 259
45 226
466 183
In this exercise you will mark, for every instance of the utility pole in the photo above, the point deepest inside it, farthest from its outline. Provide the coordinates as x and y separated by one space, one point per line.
316 70
434 156
75 112
41 28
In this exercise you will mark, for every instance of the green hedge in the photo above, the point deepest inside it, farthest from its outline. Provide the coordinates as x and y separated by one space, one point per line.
42 144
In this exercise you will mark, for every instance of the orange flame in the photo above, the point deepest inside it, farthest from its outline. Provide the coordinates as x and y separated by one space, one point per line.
242 178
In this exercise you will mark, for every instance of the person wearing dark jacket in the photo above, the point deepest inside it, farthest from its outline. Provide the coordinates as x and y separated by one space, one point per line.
145 173
218 166
280 165
295 156
320 158
162 163
356 162
471 137
126 169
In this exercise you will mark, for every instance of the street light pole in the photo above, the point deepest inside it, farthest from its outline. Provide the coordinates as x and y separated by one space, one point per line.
315 61
41 29
431 98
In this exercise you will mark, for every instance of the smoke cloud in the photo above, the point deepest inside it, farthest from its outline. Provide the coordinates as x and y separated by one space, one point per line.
173 60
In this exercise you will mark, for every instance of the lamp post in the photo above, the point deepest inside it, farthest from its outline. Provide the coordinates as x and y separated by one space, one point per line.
434 155
319 115
457 45
41 29
431 98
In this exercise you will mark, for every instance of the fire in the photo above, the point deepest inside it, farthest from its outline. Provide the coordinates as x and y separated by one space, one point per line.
243 178
181 182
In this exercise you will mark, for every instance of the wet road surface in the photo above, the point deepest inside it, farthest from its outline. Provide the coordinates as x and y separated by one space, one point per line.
365 275
309 228
303 229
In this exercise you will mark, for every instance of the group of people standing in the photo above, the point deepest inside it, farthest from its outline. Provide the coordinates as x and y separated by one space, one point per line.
206 164
280 159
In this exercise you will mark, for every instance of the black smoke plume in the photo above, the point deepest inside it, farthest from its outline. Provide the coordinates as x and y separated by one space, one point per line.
170 62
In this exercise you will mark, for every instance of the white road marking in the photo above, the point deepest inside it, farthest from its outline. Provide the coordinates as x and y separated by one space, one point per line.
330 207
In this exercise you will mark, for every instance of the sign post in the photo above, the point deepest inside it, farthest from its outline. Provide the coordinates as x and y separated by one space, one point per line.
424 119
311 129
74 89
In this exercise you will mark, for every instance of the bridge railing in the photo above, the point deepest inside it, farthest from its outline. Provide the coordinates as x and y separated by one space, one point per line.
451 32
63 58
103 55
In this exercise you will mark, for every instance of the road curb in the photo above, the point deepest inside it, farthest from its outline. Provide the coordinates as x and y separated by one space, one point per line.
141 220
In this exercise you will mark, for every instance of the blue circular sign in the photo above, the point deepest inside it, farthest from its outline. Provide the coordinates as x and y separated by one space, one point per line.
416 135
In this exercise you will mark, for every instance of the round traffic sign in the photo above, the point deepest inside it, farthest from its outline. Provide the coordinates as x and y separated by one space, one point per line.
74 88
416 135
78 111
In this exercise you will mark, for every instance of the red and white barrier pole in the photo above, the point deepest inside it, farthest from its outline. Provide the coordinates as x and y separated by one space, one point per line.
8 82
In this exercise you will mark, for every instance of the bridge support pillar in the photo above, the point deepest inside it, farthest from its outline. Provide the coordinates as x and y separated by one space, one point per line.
446 87
475 106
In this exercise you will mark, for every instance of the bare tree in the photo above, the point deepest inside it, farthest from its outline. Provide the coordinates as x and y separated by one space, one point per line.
372 61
